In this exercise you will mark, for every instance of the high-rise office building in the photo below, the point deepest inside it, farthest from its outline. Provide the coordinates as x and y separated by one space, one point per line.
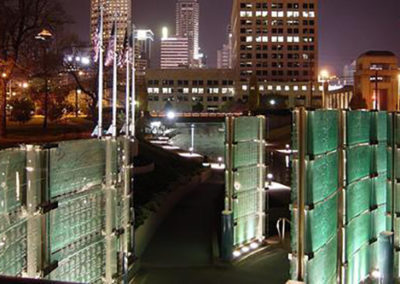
187 25
275 40
224 55
174 52
119 10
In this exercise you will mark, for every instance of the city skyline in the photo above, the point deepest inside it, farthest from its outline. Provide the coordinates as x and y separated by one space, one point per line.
339 42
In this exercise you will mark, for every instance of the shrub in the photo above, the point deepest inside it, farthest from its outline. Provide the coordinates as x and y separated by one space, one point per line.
22 109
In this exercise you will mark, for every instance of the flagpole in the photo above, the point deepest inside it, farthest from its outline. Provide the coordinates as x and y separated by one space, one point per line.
101 66
115 90
133 98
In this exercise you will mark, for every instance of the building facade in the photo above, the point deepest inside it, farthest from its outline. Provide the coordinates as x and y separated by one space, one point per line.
224 55
275 40
377 80
183 90
119 10
175 53
187 25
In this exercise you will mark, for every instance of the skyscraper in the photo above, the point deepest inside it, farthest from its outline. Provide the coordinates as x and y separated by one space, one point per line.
187 25
120 10
275 40
224 55
174 52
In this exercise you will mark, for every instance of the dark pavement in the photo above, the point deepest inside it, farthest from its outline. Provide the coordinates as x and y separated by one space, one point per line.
182 249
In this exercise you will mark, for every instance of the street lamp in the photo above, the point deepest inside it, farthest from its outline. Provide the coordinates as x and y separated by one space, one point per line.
324 78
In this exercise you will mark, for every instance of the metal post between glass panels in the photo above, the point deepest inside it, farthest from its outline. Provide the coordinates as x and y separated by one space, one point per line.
110 195
33 200
301 117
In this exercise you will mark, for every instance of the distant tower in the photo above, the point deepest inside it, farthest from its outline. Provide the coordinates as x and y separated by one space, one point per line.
111 7
174 51
224 55
187 25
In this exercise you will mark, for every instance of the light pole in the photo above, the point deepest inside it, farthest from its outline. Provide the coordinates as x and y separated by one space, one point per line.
140 36
324 78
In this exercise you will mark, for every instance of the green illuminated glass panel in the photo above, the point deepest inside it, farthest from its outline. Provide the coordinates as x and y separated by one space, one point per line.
246 178
358 127
322 268
13 248
246 203
321 223
358 233
358 198
85 266
322 131
397 232
322 177
245 229
247 128
246 154
358 265
75 165
379 190
380 158
379 126
358 163
75 218
12 178
378 221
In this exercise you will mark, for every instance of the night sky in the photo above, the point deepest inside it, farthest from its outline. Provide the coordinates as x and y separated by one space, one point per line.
347 27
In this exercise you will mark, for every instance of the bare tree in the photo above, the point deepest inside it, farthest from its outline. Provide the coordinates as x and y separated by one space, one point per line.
20 21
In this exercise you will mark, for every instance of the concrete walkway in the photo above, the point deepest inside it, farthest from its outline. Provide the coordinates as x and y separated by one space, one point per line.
182 249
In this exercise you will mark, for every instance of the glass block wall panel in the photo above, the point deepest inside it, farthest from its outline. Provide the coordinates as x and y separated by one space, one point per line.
358 127
379 190
244 178
321 224
246 203
358 233
12 179
358 198
322 177
246 229
85 266
13 242
379 126
358 266
322 267
322 131
358 163
77 217
378 218
75 165
246 128
246 153
379 158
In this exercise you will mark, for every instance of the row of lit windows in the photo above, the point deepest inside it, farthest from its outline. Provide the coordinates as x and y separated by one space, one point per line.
191 91
275 39
259 22
278 47
276 31
304 56
280 73
277 14
194 82
186 99
286 88
277 5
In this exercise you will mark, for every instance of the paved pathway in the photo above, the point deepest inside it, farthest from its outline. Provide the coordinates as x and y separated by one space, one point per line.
181 251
